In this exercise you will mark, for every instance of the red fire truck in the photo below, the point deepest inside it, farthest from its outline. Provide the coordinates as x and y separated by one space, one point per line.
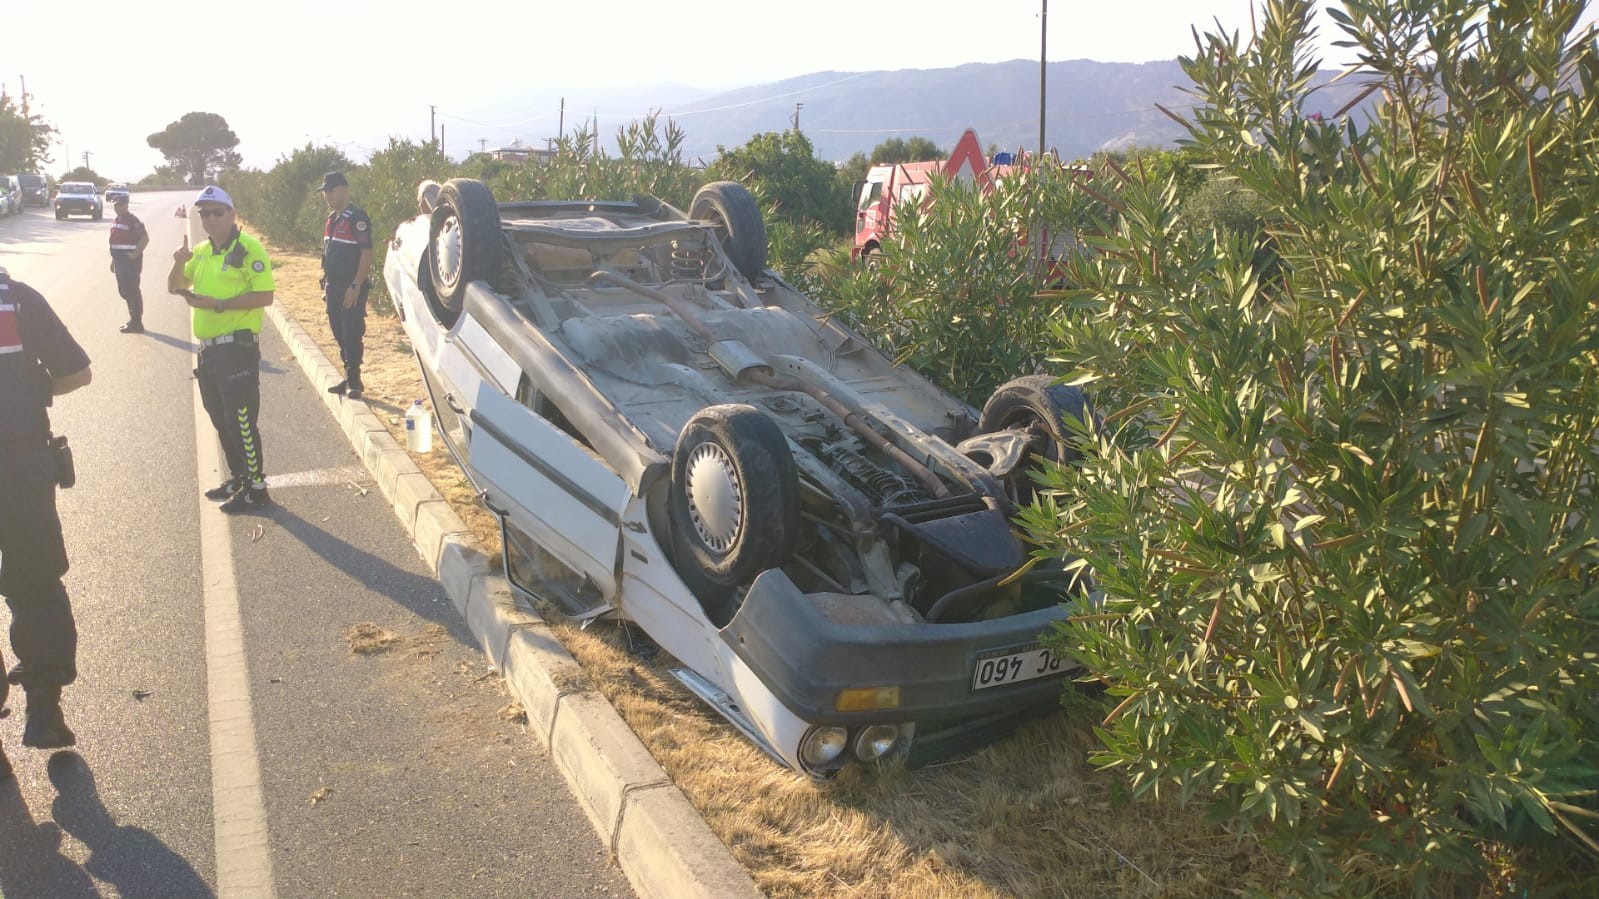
887 186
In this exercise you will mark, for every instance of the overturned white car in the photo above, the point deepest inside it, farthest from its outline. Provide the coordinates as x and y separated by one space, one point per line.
671 434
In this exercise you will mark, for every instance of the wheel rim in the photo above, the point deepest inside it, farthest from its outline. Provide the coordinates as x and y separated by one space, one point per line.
447 251
715 497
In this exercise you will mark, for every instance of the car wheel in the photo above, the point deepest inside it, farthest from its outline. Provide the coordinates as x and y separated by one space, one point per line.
1035 402
734 503
738 224
60 216
872 257
464 240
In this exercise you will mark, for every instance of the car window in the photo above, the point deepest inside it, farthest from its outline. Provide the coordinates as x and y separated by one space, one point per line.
72 187
31 180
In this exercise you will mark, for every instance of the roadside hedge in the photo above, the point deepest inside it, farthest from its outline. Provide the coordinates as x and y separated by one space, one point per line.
1342 511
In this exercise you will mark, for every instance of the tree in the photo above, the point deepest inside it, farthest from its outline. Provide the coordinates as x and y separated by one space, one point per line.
1341 513
24 141
163 176
782 169
917 149
83 173
200 143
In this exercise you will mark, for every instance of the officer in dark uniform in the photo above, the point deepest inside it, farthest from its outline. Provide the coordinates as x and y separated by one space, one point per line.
128 240
346 260
38 360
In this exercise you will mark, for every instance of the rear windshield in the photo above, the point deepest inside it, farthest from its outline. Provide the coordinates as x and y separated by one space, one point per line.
74 187
31 180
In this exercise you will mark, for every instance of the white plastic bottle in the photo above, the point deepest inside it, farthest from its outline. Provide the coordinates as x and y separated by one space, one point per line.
418 428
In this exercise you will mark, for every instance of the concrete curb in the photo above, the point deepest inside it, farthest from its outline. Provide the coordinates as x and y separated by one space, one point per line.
662 844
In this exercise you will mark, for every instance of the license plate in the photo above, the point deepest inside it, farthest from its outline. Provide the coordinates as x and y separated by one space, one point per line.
1014 666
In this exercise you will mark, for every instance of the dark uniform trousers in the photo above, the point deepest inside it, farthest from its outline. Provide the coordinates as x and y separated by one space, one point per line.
230 389
348 326
33 557
128 269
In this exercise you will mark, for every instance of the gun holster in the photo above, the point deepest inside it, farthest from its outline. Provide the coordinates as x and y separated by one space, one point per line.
61 454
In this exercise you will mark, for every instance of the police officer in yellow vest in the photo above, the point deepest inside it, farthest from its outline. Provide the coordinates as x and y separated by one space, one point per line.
231 280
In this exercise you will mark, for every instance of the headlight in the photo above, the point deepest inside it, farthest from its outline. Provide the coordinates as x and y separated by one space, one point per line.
876 741
822 746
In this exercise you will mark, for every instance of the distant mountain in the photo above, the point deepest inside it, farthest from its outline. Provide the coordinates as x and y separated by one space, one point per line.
1091 106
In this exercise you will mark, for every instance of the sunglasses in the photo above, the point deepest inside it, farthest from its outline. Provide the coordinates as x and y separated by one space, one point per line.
213 213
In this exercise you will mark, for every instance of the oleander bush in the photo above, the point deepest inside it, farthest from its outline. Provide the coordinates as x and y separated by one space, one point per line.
1341 511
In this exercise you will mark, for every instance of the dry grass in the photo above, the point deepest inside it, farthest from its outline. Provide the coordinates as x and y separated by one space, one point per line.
1026 816
369 639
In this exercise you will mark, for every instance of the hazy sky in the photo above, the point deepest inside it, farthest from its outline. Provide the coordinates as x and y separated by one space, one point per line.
349 72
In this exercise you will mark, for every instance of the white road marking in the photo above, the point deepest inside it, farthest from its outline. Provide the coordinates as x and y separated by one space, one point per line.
344 475
244 859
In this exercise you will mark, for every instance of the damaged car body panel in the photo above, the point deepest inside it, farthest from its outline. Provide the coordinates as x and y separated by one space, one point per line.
673 435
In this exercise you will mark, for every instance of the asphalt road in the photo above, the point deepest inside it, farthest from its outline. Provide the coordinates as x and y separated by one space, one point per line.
380 774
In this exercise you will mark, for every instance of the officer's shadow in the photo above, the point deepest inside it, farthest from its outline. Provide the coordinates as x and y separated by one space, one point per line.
31 863
131 859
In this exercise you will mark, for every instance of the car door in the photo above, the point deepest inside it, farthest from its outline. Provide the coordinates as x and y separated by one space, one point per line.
552 490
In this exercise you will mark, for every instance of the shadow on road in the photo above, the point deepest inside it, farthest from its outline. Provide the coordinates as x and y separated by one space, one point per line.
421 595
31 863
175 342
131 859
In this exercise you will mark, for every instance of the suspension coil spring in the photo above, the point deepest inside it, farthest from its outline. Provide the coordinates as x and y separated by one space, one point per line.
688 262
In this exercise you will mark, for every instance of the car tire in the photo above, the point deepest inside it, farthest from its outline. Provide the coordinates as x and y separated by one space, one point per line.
464 240
738 222
60 216
1035 401
734 503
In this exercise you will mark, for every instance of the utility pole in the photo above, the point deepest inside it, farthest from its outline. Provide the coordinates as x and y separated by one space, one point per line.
560 130
86 155
433 131
440 146
482 145
795 119
24 80
1043 46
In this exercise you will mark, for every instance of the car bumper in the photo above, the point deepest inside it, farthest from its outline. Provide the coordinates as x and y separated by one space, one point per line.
808 660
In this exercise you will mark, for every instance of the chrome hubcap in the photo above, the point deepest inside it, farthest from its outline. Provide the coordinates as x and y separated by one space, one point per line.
715 497
447 251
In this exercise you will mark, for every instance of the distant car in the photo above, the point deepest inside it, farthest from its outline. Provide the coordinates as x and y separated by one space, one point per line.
35 190
10 195
78 198
672 435
114 191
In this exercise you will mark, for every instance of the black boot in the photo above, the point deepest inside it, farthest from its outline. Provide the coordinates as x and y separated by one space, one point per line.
339 388
5 767
356 390
46 727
